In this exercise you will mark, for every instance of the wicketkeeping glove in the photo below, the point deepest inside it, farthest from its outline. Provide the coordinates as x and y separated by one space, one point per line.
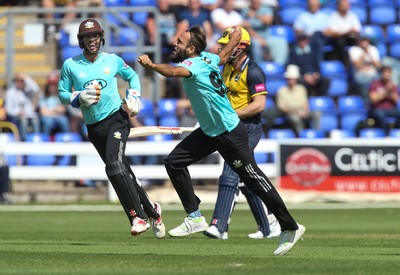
86 97
131 103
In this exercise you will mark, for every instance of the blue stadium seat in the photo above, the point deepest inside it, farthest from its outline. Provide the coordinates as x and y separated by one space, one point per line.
167 107
351 103
170 121
382 15
393 33
36 159
374 3
66 137
338 87
116 19
114 3
287 3
350 120
160 138
70 51
361 12
324 104
125 37
272 69
311 133
372 133
274 84
4 139
140 18
382 48
129 57
341 133
284 31
281 134
288 14
394 133
374 32
333 69
143 3
394 49
328 122
147 107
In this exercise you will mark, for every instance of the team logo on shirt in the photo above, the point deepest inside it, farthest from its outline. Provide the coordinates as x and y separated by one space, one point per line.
106 70
237 163
117 135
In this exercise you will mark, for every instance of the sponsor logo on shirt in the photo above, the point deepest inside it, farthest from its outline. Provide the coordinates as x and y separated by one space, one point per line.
187 62
260 87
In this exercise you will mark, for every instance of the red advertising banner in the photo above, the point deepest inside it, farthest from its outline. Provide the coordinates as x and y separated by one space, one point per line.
343 168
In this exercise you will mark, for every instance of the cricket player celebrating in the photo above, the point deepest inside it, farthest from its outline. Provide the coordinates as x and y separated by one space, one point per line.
89 81
220 130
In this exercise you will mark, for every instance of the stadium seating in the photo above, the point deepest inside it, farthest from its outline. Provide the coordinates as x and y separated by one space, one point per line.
322 103
361 12
138 3
382 15
351 103
281 134
394 49
338 87
70 51
284 31
66 137
333 69
372 133
167 107
393 33
374 32
341 133
272 69
170 121
394 133
287 14
350 120
274 84
328 122
261 157
115 3
311 133
126 36
39 159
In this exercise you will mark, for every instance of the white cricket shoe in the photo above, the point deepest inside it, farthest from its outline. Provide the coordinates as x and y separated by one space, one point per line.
214 233
189 226
139 226
256 235
288 239
274 227
157 224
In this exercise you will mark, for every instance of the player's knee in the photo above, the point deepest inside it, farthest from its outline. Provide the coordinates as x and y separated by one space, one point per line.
116 168
228 180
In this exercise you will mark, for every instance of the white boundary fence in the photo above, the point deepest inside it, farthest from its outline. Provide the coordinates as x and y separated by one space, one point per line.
90 166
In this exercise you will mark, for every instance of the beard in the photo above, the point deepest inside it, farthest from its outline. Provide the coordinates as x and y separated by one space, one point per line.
178 56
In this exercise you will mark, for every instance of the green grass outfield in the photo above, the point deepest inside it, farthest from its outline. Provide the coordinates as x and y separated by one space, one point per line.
81 240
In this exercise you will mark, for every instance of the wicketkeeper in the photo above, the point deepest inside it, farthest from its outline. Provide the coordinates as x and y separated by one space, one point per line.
89 81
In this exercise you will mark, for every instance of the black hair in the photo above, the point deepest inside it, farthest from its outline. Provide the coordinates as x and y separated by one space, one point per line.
198 38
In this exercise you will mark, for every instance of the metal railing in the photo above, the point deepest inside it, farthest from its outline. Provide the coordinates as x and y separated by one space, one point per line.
9 16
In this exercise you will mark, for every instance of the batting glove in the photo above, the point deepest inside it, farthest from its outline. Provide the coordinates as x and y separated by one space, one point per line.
131 103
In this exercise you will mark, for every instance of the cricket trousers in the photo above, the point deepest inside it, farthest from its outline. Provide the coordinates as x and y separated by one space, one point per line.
234 149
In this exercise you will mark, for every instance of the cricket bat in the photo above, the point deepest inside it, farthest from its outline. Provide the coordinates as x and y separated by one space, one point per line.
158 130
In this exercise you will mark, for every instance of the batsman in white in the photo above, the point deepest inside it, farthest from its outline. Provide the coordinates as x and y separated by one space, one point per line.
88 81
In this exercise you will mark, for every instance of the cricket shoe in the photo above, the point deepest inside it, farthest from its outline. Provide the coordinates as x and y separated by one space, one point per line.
139 226
274 227
157 224
288 239
189 226
214 233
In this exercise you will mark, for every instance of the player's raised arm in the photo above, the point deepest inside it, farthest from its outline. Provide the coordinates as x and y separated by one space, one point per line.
166 70
234 34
